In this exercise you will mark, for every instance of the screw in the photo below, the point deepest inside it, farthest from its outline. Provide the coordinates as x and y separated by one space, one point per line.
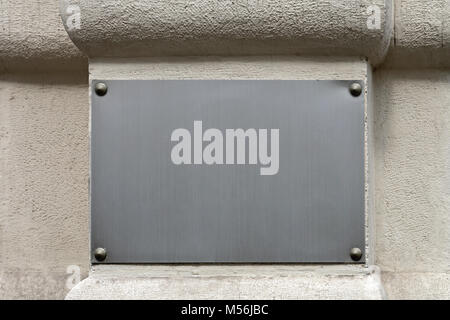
100 254
355 89
101 89
355 254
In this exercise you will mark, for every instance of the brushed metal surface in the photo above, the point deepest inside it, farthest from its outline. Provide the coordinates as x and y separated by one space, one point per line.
146 209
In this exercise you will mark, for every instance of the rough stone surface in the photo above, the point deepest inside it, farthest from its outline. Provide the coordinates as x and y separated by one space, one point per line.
420 24
412 168
43 183
229 282
253 27
417 285
32 37
422 34
255 67
250 67
44 123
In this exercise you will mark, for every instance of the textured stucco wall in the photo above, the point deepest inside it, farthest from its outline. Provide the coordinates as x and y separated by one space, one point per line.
260 282
43 183
44 127
32 38
421 34
412 116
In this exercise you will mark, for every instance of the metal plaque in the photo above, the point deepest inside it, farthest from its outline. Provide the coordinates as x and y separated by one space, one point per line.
186 171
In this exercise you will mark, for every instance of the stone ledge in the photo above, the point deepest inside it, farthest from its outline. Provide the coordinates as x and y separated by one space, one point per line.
417 285
254 27
230 282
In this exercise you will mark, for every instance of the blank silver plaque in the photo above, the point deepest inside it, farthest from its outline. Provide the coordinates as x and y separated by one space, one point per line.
147 207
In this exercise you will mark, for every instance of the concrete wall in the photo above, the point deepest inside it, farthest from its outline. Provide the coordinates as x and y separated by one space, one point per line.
413 181
44 111
43 183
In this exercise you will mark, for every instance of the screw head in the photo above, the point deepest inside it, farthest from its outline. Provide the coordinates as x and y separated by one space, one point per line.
101 89
100 254
355 254
355 89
